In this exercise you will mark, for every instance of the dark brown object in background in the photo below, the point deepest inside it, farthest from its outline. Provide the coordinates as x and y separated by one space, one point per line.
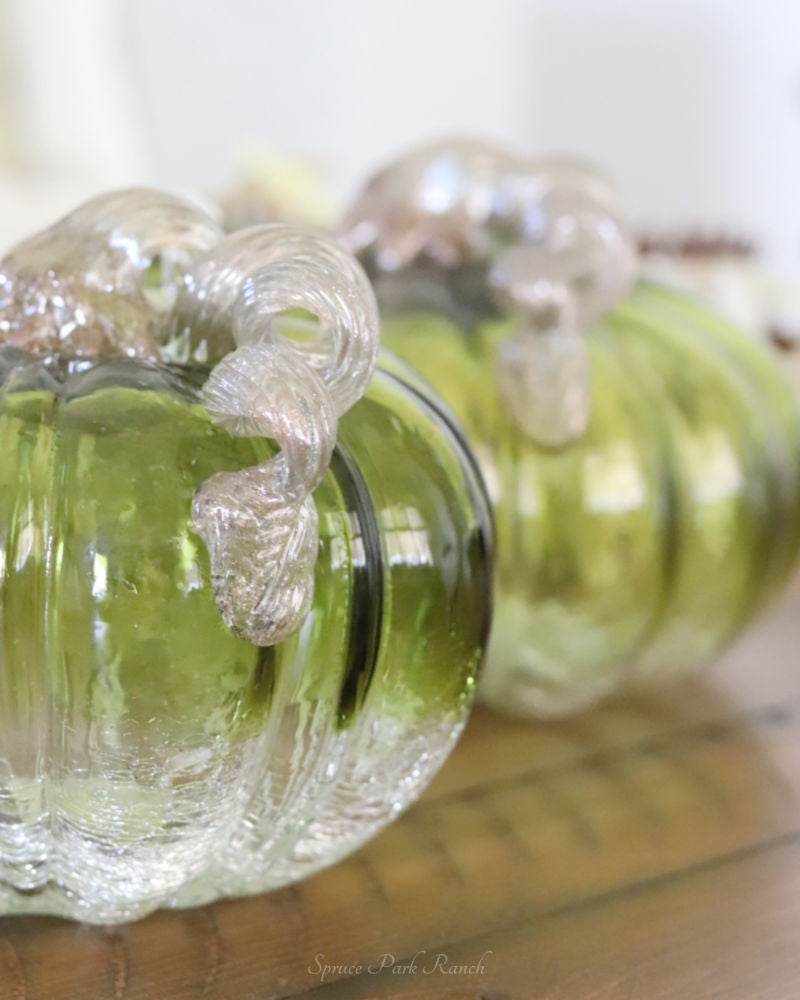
697 244
704 247
783 339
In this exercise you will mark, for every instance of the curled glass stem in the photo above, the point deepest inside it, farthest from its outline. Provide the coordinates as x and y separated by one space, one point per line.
139 273
543 372
264 518
547 237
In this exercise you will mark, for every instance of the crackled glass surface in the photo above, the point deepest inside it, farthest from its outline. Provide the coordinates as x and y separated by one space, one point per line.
172 732
642 457
150 757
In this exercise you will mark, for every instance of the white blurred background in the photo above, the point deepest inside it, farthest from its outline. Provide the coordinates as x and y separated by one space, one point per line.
693 104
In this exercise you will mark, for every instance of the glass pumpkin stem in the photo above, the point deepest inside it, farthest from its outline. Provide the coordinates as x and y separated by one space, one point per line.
260 524
580 264
545 239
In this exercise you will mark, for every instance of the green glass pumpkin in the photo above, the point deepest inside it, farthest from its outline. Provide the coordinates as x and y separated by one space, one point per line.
638 546
151 753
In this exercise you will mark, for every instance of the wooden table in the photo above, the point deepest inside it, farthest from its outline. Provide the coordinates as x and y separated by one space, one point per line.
647 850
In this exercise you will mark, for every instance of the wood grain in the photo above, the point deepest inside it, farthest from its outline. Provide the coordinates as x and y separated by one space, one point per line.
649 849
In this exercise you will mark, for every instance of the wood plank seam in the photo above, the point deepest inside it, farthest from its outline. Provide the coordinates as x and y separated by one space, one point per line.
765 716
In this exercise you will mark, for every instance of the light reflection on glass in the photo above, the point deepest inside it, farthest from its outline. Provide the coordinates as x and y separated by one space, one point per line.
406 537
613 482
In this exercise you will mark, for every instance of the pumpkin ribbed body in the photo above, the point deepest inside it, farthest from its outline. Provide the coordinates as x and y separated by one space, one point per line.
149 756
642 547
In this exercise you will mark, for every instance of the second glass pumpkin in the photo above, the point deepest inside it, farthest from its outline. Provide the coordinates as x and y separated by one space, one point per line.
643 547
643 513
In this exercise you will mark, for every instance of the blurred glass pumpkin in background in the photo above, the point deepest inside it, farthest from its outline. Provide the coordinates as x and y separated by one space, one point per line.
162 743
642 456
